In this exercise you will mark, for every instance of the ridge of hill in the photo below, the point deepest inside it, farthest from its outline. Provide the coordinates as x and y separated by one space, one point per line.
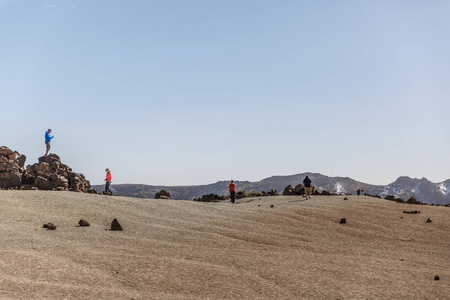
404 187
192 250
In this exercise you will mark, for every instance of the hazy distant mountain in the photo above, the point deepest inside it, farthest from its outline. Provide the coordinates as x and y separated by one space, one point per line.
403 187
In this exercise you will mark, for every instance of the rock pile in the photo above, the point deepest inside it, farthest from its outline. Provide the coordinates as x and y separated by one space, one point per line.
11 168
211 198
299 190
272 192
413 212
413 200
51 174
48 174
290 191
163 194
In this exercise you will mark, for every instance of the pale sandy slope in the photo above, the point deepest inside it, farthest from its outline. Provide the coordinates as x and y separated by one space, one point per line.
189 250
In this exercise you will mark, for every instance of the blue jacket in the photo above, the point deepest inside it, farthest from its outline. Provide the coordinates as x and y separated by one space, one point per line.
48 137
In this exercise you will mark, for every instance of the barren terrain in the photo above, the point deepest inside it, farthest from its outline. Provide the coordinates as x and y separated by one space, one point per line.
190 250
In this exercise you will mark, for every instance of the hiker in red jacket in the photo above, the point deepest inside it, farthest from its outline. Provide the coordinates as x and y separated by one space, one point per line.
108 182
232 188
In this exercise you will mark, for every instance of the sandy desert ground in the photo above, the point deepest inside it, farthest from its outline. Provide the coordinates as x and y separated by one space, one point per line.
189 250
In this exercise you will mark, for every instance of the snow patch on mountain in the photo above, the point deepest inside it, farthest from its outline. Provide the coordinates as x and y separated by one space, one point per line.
339 188
444 190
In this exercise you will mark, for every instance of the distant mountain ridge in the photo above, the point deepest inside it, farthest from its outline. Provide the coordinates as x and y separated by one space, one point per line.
404 187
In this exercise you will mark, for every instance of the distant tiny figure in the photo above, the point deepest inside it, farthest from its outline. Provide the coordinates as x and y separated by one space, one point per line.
48 139
108 182
232 188
307 184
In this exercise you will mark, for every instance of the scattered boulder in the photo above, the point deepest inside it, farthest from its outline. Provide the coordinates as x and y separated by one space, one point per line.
163 194
115 226
272 206
429 220
413 212
83 223
49 226
436 277
345 198
343 221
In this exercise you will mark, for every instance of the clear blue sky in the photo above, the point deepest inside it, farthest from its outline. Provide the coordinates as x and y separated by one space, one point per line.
192 92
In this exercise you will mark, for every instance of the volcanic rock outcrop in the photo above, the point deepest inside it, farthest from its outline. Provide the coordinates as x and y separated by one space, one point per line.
11 168
211 198
50 173
163 194
298 190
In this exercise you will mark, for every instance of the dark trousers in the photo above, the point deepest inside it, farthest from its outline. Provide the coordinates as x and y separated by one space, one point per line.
107 188
233 197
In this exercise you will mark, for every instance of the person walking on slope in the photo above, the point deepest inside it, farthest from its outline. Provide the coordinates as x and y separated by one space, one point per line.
108 182
48 139
232 188
307 183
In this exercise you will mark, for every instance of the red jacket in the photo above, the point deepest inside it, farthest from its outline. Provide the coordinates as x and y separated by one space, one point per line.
232 187
108 177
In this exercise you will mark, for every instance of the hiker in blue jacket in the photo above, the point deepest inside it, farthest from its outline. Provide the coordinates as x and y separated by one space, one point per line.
48 139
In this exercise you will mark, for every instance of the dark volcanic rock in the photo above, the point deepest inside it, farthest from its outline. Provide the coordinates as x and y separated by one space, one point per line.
43 183
289 190
343 221
429 220
49 226
436 277
393 198
163 194
83 223
50 173
272 192
299 189
211 198
413 212
115 226
413 200
11 168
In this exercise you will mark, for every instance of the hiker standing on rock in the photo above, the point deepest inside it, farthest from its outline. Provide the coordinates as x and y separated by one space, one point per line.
108 182
48 139
232 188
307 184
